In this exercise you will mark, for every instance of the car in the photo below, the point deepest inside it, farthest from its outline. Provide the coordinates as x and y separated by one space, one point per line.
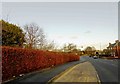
95 57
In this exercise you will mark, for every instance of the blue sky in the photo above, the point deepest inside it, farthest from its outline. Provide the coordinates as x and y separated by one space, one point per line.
81 23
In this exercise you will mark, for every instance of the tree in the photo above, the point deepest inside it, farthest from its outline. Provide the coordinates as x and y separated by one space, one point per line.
35 37
70 47
90 50
12 35
50 46
106 52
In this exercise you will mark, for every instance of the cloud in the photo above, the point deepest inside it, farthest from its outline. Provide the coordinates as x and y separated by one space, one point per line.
67 37
87 32
60 36
73 37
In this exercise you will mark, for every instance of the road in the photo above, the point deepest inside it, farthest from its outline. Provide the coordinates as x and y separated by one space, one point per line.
107 69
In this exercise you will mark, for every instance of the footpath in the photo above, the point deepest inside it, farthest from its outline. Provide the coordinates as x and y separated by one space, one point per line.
82 72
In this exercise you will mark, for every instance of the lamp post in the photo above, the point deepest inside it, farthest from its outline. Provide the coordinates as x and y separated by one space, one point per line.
100 46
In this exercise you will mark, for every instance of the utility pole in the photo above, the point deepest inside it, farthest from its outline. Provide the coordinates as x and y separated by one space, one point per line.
100 46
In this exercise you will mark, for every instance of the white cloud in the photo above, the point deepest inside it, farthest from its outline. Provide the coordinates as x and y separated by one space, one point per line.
88 32
73 37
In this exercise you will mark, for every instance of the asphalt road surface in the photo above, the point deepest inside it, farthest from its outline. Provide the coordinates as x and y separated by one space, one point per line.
107 69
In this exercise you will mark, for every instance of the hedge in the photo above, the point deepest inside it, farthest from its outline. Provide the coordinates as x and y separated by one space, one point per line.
16 61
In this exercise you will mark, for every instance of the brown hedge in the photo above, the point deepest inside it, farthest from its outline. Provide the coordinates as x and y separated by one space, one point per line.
17 61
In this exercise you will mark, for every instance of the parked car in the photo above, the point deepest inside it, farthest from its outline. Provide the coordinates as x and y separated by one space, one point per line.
95 57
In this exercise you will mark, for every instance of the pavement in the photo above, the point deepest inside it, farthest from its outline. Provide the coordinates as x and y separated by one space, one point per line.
82 72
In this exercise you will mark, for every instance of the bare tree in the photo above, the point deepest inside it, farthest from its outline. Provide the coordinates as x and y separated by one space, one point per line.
50 46
34 35
70 47
41 39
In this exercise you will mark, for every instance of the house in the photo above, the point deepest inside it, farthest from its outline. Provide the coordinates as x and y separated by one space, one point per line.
114 48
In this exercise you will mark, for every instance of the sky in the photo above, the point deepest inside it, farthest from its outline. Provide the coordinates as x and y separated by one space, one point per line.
82 23
60 0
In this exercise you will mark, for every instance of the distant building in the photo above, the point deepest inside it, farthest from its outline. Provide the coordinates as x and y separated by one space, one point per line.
114 48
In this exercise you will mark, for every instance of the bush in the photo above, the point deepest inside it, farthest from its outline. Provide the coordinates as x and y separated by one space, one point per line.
17 61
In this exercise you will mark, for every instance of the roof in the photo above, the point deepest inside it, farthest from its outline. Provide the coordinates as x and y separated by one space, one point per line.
113 45
117 44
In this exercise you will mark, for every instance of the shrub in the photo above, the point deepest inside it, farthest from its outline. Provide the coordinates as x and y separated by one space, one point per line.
17 61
